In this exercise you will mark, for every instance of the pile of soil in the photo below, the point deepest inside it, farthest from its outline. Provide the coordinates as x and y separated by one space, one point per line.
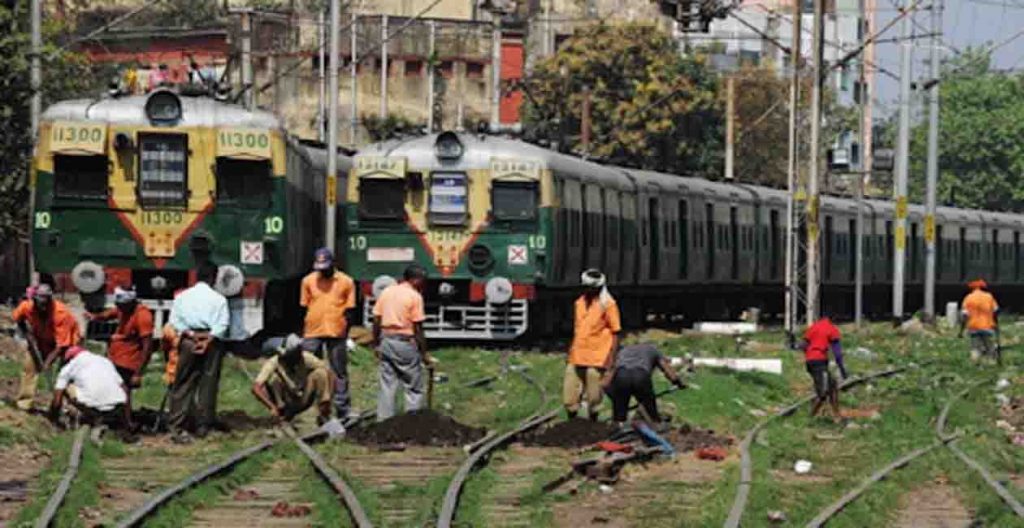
687 438
577 432
426 428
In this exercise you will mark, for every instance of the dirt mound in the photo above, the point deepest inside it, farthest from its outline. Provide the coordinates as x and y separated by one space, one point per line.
425 427
577 432
688 438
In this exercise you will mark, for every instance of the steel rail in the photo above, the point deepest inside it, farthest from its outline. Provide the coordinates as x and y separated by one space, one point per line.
746 465
57 498
355 510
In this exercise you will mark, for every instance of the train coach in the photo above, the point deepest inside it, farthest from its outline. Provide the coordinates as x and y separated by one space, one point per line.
135 189
505 229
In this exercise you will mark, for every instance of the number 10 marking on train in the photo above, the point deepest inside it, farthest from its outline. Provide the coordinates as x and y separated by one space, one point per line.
273 225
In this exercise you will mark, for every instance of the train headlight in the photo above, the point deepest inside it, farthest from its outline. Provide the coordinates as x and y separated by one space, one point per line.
381 282
446 289
163 107
88 276
230 280
447 146
498 290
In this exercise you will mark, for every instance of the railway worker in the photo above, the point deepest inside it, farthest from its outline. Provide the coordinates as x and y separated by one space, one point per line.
630 377
92 385
132 341
328 295
595 336
819 338
979 313
293 381
48 329
399 342
200 317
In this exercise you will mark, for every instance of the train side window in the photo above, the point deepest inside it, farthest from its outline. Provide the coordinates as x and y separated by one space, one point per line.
381 199
449 198
243 183
514 201
80 177
163 169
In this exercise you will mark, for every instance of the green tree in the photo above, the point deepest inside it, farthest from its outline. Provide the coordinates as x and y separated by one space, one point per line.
981 123
651 107
65 75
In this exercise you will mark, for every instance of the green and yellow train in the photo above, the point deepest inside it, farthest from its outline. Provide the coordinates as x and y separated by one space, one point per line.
133 190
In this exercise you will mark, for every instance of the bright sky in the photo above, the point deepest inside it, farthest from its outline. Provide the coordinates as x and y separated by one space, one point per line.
977 23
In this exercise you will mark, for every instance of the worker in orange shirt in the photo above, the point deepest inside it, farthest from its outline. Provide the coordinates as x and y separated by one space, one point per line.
595 336
49 329
980 315
400 343
328 294
132 342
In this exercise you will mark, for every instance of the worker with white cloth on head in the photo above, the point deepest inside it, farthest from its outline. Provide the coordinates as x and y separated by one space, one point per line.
92 385
596 328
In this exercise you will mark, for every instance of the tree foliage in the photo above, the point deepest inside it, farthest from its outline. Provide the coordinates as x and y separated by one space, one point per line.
650 106
65 75
981 126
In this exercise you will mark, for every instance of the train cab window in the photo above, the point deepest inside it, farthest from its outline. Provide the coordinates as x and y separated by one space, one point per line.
80 177
163 174
245 183
448 198
381 199
514 201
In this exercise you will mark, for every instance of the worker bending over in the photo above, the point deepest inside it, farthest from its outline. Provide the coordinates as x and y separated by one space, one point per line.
200 318
92 386
48 330
293 381
132 340
399 342
595 335
819 338
327 294
980 314
630 377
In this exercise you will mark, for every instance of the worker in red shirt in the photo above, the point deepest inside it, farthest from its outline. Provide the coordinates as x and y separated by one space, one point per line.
132 342
819 338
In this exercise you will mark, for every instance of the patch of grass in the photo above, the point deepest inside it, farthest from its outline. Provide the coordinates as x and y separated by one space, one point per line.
84 491
9 368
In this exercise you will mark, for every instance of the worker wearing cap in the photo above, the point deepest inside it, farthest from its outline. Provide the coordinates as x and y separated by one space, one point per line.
595 335
400 343
49 329
630 377
328 294
132 341
292 381
980 314
201 319
92 385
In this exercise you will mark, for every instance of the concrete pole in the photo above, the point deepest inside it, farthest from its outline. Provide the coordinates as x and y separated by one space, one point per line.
791 174
865 124
496 72
868 93
332 128
902 162
35 110
730 125
431 81
383 66
813 225
933 166
250 91
858 292
353 72
321 112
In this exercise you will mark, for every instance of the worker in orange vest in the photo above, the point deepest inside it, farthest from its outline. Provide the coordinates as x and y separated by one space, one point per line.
980 315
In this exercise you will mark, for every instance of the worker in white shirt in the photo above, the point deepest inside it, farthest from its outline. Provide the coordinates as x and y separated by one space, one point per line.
201 319
92 385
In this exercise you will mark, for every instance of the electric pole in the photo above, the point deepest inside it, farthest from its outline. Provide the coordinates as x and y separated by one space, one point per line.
384 67
353 72
495 71
902 162
332 128
792 295
35 110
321 112
933 166
431 78
730 126
813 247
249 94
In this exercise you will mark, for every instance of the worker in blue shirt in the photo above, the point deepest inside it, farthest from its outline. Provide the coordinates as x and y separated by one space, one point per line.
200 317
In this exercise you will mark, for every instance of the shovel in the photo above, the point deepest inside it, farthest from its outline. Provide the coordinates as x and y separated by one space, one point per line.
430 385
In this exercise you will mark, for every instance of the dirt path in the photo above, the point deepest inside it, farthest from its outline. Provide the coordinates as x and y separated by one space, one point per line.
658 494
516 479
21 466
274 499
935 505
400 480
